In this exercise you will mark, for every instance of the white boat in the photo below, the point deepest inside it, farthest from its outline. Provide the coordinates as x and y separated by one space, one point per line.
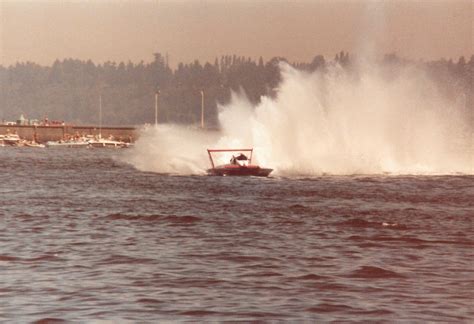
68 143
99 142
107 143
34 144
10 140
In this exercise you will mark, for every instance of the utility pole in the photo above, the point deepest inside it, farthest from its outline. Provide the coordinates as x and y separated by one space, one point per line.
157 93
100 115
202 109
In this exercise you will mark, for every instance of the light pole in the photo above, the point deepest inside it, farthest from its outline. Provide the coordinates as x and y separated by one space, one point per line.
202 109
157 93
100 116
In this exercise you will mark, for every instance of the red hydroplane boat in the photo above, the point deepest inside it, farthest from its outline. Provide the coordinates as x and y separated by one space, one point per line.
239 165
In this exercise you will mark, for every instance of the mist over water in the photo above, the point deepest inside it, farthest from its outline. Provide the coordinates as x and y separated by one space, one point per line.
171 149
369 119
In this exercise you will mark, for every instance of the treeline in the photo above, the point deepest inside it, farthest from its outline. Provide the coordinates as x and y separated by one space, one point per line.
69 90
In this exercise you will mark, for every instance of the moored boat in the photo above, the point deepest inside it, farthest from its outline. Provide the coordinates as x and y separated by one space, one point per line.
107 143
68 143
34 144
10 140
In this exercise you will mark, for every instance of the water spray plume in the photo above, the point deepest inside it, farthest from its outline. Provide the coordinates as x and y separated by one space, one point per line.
365 121
170 149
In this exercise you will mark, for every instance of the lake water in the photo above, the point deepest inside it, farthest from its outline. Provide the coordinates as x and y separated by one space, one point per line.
87 238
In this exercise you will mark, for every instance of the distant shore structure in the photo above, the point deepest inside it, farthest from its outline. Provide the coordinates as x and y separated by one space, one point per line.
43 133
22 121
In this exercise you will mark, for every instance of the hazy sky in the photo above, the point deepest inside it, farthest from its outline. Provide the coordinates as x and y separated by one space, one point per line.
42 31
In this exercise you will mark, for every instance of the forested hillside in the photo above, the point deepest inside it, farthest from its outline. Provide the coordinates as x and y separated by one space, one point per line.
69 90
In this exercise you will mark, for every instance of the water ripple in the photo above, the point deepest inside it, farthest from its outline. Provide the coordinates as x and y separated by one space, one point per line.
86 238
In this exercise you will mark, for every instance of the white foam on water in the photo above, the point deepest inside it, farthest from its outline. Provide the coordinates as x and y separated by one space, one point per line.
172 149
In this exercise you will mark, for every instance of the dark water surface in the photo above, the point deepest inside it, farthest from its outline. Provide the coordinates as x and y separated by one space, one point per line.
85 237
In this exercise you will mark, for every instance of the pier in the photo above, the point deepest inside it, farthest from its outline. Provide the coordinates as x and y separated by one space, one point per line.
42 134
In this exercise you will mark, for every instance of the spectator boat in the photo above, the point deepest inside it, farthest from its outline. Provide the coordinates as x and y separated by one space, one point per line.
10 140
107 143
69 143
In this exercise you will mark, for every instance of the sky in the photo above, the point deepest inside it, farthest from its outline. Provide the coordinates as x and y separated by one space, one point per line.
42 31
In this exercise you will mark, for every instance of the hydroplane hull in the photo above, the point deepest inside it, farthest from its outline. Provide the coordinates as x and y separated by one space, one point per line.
239 170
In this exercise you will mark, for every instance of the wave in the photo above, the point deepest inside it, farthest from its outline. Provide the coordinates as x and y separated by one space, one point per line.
172 219
371 272
329 308
362 223
50 320
8 258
